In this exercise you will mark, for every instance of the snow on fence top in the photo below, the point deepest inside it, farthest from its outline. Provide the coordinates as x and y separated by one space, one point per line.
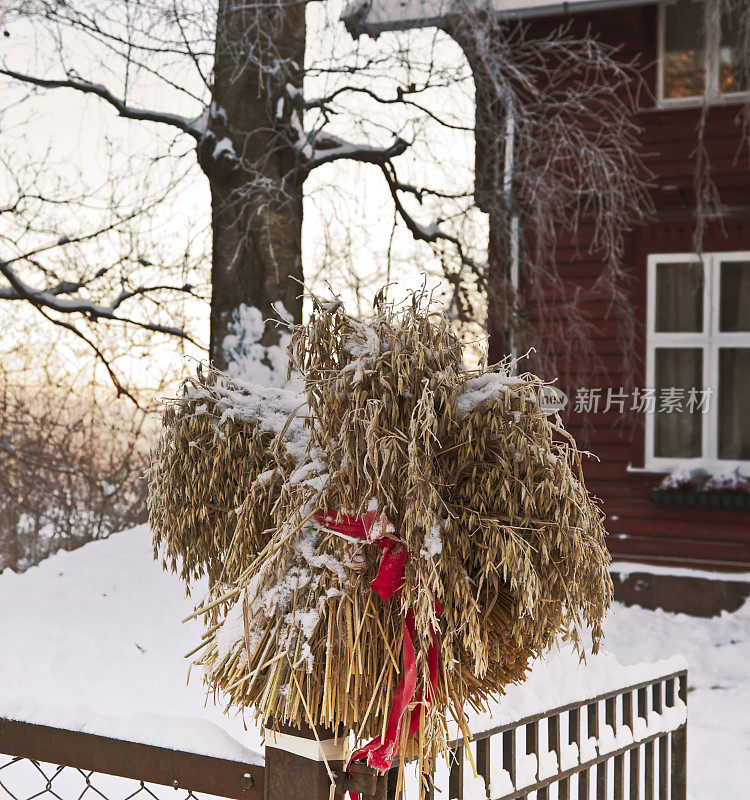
92 642
375 16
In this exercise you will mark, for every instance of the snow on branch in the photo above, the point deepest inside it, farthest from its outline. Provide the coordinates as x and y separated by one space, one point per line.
64 287
321 149
58 298
123 109
331 148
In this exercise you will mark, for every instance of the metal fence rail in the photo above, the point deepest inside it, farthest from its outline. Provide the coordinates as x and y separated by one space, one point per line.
625 745
630 744
46 762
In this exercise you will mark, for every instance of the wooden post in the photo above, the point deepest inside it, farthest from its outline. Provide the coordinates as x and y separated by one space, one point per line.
610 711
298 764
583 785
679 749
628 718
484 762
532 743
662 744
456 775
509 755
643 709
553 745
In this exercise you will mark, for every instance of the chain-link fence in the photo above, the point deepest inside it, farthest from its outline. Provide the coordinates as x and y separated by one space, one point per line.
26 779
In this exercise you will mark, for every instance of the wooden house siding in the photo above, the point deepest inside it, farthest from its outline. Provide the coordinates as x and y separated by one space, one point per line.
707 537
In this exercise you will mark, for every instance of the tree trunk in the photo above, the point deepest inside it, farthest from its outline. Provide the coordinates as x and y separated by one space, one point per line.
256 183
11 551
490 193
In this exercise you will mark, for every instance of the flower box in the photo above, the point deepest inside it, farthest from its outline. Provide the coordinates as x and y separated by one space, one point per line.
664 497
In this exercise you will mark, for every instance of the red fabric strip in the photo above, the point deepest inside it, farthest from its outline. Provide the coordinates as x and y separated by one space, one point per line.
387 583
390 575
380 754
356 527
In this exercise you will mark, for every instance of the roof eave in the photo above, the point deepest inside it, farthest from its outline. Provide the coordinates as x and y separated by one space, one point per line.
357 23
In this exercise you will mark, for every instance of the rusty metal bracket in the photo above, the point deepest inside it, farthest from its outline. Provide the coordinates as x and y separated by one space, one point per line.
363 780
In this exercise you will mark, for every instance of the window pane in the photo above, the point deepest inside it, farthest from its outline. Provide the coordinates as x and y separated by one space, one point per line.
734 400
678 434
731 78
684 50
679 297
734 313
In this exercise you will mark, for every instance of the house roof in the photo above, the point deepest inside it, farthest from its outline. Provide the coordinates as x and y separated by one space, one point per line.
375 16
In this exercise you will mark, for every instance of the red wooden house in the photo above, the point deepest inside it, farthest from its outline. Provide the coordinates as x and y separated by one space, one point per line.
694 346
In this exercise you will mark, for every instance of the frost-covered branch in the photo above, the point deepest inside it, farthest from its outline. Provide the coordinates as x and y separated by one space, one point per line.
58 298
431 233
324 149
425 233
123 109
400 98
320 146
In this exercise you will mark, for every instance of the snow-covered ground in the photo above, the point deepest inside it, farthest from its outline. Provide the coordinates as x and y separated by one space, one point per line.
92 641
718 655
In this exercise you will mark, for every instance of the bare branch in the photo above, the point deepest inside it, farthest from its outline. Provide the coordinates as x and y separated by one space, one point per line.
325 149
401 98
424 233
121 390
57 299
124 110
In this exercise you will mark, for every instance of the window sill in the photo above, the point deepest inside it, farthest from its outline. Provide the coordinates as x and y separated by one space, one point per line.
697 102
711 467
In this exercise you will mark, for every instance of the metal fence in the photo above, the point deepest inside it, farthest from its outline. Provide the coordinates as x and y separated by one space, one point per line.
625 745
46 762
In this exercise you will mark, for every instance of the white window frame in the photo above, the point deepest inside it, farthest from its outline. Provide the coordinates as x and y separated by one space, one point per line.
710 340
712 94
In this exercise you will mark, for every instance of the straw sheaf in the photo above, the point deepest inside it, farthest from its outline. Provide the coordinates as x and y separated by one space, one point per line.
302 638
482 487
216 472
527 536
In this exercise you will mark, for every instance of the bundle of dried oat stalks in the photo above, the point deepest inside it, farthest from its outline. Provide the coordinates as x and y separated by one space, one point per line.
386 548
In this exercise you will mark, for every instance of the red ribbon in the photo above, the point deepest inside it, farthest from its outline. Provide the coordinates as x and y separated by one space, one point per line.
380 752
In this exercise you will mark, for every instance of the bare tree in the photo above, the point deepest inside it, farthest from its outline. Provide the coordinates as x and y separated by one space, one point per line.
229 78
261 95
568 167
708 202
81 257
